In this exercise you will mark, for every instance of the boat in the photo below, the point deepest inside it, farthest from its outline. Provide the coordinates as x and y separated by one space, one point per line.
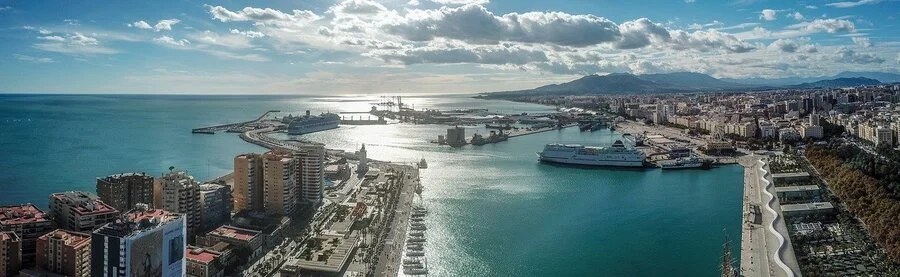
411 261
685 163
417 219
423 164
498 127
415 271
415 247
596 126
415 253
418 265
584 126
615 155
417 224
417 234
494 137
299 125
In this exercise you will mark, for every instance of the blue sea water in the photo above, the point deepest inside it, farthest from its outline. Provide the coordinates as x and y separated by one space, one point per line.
494 211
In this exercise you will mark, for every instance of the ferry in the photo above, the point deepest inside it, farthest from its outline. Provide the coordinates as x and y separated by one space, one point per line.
616 155
300 125
684 163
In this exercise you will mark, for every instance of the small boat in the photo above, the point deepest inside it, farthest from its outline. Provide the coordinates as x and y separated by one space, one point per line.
418 228
411 261
415 254
417 234
423 164
413 266
417 219
415 247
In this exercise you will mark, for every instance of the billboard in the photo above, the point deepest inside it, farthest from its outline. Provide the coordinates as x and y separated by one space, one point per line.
158 252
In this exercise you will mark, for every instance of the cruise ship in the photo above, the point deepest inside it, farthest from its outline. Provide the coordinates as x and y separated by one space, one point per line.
312 123
616 155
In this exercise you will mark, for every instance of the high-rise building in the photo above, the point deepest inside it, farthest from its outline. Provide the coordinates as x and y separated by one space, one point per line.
29 223
248 182
10 253
815 119
123 191
215 205
146 242
177 192
279 182
312 172
80 211
65 253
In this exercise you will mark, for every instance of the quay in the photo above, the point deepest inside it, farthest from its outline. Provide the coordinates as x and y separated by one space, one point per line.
226 127
513 133
765 246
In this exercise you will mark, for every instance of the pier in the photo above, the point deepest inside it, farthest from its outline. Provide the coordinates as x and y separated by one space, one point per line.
226 127
515 133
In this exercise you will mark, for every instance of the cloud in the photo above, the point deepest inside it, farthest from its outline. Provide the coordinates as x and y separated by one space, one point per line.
459 2
171 41
358 7
798 16
249 34
793 45
265 15
32 59
830 25
43 31
851 4
639 33
5 8
846 55
75 43
767 14
165 24
229 40
53 38
690 1
709 40
811 7
475 24
863 42
140 25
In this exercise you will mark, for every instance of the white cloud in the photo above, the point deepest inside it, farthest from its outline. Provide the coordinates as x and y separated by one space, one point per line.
690 1
846 55
830 25
43 31
141 25
767 14
798 16
53 38
851 4
793 45
74 43
358 7
264 15
249 34
229 40
32 59
165 24
811 7
459 2
171 41
863 42
412 3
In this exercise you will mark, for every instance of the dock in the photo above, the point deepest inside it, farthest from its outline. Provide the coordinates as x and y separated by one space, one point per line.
226 127
765 246
518 133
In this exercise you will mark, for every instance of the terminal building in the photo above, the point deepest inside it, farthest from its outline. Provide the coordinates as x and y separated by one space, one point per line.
29 223
80 211
65 253
124 191
144 242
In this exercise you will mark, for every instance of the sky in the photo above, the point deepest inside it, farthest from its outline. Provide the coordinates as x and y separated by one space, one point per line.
324 47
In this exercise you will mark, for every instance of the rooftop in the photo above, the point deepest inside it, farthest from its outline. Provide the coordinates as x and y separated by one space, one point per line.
70 238
232 232
137 221
83 203
9 235
201 255
815 206
21 214
797 188
127 174
790 175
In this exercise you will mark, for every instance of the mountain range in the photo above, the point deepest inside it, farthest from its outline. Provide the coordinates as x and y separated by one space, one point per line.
619 83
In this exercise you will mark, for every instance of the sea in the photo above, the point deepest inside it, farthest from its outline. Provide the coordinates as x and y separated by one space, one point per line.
493 209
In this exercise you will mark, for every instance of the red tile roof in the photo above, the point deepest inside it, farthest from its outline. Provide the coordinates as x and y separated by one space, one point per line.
21 214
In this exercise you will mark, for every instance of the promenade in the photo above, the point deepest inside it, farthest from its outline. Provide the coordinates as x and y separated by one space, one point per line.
765 245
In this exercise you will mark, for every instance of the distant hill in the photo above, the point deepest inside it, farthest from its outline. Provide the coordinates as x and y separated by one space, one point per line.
623 83
839 83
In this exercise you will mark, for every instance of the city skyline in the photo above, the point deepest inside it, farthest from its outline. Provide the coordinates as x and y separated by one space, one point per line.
436 46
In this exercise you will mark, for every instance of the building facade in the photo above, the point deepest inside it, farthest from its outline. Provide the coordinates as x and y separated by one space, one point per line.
312 172
64 252
177 192
80 211
248 182
216 205
203 262
147 242
29 223
280 182
123 191
10 253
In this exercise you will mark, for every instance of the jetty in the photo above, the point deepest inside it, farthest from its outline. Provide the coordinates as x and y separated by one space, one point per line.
509 134
231 126
765 246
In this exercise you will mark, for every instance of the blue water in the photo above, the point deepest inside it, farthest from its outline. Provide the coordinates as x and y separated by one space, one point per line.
495 211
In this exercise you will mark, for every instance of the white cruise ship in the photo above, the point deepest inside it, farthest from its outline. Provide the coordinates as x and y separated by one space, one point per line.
616 155
312 123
